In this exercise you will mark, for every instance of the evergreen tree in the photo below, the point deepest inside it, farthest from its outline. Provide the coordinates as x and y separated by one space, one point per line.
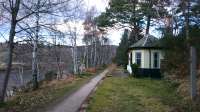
133 14
121 55
123 14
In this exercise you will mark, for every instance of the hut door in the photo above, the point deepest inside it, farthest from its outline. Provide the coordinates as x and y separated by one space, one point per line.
131 58
156 60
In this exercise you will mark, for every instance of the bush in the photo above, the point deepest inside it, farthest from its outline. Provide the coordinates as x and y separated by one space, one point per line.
50 75
135 68
177 52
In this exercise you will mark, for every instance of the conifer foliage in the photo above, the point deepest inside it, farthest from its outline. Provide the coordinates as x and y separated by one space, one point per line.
121 55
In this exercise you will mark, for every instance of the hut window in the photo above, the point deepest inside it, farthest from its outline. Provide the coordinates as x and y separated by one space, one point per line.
131 57
138 56
156 60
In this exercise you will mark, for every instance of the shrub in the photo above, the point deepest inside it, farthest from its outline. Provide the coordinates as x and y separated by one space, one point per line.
135 68
177 52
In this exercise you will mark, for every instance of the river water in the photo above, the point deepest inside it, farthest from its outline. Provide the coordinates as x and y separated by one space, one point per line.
15 80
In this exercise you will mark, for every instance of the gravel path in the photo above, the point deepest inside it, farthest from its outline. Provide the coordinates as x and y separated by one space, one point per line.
74 101
119 72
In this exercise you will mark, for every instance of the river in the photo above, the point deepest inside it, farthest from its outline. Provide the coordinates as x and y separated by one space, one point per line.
15 80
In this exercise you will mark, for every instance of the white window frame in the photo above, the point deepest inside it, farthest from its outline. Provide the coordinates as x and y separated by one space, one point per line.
138 58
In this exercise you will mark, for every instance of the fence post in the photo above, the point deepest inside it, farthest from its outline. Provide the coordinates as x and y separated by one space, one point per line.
193 73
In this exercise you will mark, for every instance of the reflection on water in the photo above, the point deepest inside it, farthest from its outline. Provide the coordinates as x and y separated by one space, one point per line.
16 79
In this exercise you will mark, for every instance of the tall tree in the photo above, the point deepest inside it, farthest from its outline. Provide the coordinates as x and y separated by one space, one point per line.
35 48
122 54
91 36
13 8
192 59
16 12
132 14
73 38
184 23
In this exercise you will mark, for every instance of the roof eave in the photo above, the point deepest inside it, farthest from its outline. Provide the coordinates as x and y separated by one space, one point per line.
139 48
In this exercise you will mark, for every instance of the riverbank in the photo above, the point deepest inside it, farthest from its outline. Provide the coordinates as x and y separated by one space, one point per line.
48 92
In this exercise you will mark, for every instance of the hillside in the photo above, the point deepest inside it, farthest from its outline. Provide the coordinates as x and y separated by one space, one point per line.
47 58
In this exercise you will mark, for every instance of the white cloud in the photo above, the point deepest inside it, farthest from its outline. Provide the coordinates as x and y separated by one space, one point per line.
114 35
99 4
72 25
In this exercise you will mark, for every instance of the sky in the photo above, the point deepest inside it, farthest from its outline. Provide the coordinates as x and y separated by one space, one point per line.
100 5
114 34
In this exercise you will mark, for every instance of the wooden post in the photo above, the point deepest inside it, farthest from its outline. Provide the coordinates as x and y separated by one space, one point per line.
193 72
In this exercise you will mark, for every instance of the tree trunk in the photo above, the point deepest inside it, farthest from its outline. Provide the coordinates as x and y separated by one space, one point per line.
58 59
75 54
86 56
34 65
95 53
58 62
35 50
14 13
59 76
9 67
148 24
192 59
91 54
21 72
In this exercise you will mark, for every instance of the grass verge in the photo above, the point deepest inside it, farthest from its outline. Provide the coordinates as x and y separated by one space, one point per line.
118 94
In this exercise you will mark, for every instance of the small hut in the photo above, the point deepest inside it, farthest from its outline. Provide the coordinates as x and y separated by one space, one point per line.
147 53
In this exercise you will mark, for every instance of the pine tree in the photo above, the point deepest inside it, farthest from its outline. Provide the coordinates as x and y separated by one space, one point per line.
121 55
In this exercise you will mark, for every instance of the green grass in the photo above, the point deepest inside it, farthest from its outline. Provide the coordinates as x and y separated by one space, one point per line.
43 97
135 95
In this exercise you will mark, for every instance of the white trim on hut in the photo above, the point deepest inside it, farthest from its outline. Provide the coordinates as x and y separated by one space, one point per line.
145 58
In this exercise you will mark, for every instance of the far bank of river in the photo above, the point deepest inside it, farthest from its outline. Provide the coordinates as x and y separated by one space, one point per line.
17 80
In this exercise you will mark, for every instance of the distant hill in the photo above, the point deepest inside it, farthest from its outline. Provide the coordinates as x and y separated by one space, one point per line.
23 54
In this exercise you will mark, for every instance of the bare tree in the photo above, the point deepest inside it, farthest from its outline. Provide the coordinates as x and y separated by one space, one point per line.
91 37
72 30
57 52
13 8
35 48
16 11
73 39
